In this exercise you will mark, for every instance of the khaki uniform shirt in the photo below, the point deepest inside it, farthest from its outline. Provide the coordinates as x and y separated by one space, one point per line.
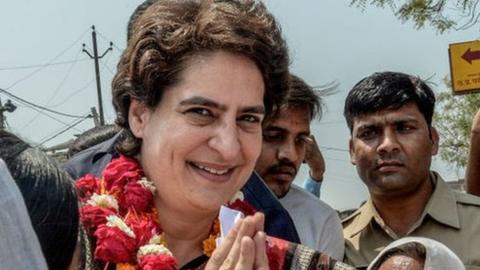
450 217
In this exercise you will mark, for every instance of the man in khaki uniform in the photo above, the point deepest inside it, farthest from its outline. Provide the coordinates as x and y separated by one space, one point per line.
392 142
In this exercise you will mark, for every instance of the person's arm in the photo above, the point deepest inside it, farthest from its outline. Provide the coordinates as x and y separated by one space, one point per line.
472 177
313 186
316 163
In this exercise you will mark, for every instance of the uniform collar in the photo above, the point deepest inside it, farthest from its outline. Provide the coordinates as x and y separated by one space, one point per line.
442 207
365 213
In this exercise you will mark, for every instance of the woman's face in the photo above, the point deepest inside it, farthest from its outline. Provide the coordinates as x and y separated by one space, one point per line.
200 143
402 262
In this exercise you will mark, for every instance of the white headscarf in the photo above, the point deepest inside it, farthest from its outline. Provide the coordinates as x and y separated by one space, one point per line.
20 248
437 257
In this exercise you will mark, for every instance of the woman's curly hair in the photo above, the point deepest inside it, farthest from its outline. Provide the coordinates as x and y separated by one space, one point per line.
170 32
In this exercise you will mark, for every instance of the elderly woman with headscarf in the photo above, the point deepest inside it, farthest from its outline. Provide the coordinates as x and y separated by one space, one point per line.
416 253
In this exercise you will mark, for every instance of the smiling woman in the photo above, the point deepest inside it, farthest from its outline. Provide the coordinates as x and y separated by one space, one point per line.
220 133
191 91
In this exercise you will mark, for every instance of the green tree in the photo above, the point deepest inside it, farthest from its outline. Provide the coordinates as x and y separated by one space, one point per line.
441 14
453 121
455 113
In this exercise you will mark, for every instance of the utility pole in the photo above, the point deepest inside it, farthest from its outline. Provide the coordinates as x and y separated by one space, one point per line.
96 122
8 107
95 57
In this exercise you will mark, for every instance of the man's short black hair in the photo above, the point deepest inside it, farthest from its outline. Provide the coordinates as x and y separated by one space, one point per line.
302 95
388 90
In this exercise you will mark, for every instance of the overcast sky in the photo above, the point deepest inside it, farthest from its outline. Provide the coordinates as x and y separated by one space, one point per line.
328 41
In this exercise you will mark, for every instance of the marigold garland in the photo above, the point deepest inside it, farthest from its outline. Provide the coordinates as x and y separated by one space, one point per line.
118 211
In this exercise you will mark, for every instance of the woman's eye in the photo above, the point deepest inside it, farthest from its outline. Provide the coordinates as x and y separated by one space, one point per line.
200 111
199 116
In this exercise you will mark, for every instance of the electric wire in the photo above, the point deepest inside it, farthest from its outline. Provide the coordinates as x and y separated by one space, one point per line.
48 63
337 159
58 133
19 99
106 39
44 65
59 86
47 115
74 93
7 125
347 180
334 122
79 90
118 49
105 85
333 148
107 67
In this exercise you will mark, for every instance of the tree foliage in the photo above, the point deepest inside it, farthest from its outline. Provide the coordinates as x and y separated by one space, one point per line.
443 15
453 121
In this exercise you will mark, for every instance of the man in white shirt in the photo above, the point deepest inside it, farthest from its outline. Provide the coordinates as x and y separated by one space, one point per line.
285 139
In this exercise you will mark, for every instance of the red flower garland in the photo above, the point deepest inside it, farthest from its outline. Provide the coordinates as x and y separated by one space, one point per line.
113 245
161 262
118 211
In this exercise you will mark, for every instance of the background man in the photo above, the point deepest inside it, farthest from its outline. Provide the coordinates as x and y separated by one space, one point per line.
392 142
285 136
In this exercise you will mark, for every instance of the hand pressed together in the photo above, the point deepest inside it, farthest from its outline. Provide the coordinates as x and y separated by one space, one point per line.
243 248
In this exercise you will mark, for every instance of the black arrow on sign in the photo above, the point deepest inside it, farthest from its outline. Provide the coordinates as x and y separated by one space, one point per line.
470 56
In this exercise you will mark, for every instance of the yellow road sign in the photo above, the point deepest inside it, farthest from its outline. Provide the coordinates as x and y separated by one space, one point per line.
465 66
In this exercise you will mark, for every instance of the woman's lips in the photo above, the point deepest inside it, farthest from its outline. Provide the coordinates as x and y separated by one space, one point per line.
212 174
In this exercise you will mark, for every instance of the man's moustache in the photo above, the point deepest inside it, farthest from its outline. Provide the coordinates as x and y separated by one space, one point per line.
389 159
283 167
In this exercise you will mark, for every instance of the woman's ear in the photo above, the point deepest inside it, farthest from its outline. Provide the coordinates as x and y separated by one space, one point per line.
138 116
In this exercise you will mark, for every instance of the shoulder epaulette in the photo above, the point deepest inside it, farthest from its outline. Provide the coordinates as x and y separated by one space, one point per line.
352 215
465 198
